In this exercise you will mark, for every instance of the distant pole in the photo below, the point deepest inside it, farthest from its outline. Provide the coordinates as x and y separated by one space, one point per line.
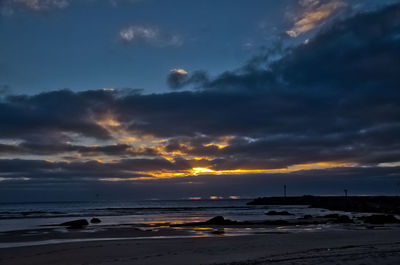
345 193
398 190
284 190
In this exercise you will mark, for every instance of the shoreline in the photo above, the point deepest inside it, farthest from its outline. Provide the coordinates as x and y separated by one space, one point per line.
279 235
82 231
288 248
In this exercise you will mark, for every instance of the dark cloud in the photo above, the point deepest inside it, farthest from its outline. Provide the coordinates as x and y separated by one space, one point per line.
357 180
9 149
60 148
54 112
250 102
360 53
334 99
125 168
178 78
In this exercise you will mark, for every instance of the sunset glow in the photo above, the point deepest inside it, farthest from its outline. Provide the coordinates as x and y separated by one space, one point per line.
198 171
150 104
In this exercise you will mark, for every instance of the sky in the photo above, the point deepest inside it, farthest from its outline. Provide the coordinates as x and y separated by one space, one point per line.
153 99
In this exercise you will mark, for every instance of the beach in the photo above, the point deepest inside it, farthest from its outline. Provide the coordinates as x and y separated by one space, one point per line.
375 246
187 232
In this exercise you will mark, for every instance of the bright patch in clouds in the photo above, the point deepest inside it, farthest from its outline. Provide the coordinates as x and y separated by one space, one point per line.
205 171
315 13
390 164
179 71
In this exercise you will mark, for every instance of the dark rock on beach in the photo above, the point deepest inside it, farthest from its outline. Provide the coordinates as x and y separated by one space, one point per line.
307 216
337 218
276 222
76 224
343 219
220 220
380 219
95 221
329 218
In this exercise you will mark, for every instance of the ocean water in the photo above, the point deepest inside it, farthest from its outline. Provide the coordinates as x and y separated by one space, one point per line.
21 216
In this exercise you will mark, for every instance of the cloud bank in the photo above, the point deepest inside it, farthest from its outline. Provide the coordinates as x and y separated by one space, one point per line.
328 112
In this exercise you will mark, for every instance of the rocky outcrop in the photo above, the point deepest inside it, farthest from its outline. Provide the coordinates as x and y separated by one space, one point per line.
380 219
367 204
95 220
76 224
220 220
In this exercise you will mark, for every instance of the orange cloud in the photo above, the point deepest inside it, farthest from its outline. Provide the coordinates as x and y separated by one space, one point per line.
198 171
313 16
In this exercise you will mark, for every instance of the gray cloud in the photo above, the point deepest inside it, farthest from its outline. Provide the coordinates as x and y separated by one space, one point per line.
150 35
30 148
9 7
179 78
334 99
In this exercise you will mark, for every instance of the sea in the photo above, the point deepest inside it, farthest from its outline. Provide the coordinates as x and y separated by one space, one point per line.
35 215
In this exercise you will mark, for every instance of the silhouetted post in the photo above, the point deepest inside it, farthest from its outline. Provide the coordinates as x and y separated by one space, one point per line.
345 198
284 191
398 190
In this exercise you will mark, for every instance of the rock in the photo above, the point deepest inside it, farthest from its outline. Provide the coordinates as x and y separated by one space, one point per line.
278 213
307 216
95 220
380 219
341 219
344 219
76 224
219 220
216 220
276 222
361 204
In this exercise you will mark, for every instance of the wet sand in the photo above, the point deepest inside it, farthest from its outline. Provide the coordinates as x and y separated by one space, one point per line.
374 246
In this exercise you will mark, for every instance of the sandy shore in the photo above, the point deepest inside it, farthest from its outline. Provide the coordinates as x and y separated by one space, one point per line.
329 247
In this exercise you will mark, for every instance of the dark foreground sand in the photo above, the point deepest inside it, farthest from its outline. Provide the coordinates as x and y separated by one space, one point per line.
334 247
